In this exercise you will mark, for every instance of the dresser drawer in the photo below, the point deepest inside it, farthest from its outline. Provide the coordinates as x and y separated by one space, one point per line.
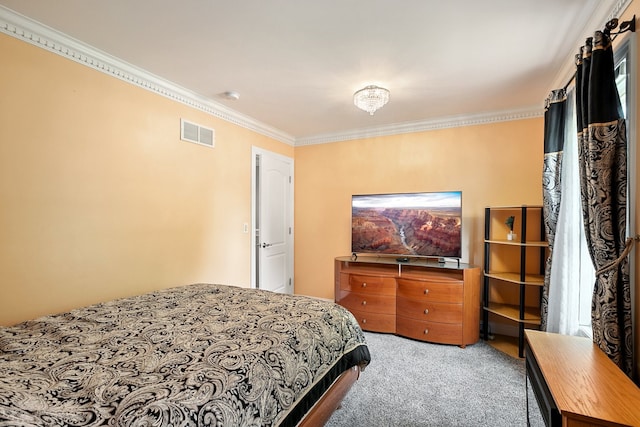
375 322
368 284
368 303
437 291
443 333
420 309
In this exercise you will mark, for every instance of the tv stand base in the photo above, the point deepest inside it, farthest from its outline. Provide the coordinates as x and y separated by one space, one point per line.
420 299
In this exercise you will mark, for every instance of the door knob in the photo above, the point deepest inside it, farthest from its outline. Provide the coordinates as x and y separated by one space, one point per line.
266 245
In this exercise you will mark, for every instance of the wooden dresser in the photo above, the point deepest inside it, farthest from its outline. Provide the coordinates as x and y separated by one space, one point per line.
420 299
572 383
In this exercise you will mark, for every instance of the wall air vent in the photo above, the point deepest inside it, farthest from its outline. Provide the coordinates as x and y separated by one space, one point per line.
192 132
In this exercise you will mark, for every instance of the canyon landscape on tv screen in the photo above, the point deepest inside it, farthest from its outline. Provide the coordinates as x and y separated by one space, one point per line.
419 224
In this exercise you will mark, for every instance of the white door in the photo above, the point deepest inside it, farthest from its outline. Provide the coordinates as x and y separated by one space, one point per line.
273 222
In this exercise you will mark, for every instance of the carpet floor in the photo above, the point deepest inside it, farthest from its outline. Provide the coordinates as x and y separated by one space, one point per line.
412 383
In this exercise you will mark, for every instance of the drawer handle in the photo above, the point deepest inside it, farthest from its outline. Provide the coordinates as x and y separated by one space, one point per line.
426 331
364 284
426 311
426 291
364 321
364 303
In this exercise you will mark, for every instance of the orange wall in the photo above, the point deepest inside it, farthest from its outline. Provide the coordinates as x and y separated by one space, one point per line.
493 164
99 197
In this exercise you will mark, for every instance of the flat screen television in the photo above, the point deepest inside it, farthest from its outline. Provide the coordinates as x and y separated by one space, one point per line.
427 224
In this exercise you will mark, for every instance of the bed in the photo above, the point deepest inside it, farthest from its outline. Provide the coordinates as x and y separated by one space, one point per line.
196 355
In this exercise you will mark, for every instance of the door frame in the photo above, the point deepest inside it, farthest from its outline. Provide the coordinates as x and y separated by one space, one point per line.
257 152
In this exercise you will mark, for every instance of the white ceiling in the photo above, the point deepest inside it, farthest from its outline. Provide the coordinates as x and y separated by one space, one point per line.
297 63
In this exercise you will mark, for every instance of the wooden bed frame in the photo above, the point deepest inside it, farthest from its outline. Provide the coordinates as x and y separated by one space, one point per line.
331 400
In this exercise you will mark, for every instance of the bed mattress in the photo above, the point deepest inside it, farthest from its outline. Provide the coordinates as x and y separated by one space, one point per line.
197 355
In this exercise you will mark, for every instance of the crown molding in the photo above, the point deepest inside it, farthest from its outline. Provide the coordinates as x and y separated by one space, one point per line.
424 125
35 33
597 21
617 10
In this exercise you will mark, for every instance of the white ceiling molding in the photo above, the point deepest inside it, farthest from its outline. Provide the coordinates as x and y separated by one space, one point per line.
597 22
423 126
617 10
23 28
35 33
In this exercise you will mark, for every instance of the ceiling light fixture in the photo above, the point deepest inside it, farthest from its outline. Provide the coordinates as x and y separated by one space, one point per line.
371 98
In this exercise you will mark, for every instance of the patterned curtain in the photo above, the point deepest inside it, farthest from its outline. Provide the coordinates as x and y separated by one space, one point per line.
554 131
602 149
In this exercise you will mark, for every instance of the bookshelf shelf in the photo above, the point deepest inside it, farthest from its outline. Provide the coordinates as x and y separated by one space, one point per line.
514 267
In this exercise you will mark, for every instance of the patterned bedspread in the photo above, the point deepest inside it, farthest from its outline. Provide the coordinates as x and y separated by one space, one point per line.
198 355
